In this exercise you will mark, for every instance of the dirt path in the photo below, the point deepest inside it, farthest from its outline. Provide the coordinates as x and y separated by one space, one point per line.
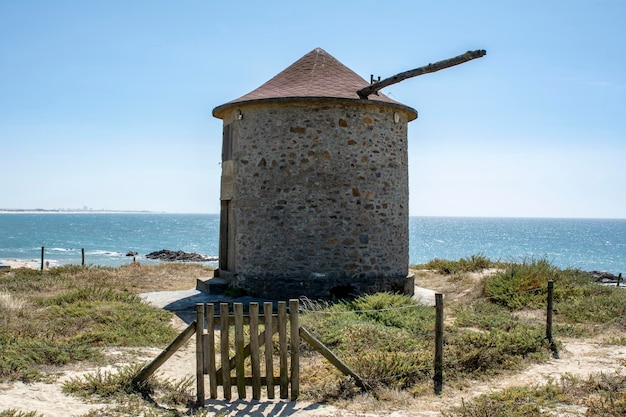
580 357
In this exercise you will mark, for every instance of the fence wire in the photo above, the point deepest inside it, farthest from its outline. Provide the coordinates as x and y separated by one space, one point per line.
304 303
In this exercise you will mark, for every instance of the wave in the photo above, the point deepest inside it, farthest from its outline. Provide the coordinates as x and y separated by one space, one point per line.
105 252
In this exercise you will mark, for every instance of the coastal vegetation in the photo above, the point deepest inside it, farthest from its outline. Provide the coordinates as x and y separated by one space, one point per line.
494 325
70 313
599 395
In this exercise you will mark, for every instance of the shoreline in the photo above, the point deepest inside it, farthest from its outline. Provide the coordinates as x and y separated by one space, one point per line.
21 263
15 263
42 211
601 277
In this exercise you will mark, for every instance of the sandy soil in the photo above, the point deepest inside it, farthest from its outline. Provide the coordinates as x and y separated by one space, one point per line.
579 357
21 263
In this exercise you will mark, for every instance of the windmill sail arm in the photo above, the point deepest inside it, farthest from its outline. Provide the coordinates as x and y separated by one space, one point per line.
446 63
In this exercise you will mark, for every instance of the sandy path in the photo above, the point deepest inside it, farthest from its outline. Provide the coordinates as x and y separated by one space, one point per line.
580 358
45 398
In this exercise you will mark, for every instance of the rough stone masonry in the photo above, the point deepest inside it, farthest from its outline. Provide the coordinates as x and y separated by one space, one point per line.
315 196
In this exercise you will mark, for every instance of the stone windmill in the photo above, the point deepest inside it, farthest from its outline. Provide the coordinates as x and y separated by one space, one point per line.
314 186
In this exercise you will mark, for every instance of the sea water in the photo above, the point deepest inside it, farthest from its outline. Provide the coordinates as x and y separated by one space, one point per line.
588 244
107 238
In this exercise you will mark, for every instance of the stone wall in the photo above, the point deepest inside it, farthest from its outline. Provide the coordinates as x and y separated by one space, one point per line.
319 197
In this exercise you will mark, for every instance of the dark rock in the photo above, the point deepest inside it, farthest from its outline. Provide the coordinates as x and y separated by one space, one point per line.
173 256
603 277
131 253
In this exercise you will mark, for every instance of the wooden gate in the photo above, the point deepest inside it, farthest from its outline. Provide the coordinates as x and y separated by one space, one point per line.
259 370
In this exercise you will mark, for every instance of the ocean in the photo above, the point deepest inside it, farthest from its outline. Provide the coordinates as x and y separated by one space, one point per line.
587 244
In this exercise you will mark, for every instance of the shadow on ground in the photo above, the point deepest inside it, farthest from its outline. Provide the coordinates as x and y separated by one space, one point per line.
183 303
255 408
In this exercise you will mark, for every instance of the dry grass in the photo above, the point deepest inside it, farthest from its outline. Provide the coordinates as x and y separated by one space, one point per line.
458 287
10 303
63 314
146 278
135 277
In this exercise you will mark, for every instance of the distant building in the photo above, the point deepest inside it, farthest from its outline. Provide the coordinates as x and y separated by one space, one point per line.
314 188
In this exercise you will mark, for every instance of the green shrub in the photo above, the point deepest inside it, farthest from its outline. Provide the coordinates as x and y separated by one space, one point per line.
106 383
53 318
484 315
395 310
474 263
112 323
22 354
393 369
489 352
381 318
521 285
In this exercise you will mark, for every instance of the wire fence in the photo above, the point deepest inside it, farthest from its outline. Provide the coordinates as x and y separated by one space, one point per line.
306 306
309 308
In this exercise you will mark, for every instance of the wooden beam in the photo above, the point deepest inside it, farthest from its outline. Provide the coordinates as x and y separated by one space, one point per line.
447 63
149 369
331 357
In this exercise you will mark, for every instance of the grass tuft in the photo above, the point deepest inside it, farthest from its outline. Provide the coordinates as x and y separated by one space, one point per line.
600 395
109 385
12 412
474 263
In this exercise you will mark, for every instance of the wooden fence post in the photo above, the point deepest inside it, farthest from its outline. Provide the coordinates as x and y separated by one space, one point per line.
224 350
438 378
282 344
82 252
210 349
42 250
294 329
619 278
550 311
200 353
239 348
255 360
550 308
268 309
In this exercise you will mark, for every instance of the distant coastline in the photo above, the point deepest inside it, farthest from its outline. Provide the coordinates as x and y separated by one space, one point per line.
71 211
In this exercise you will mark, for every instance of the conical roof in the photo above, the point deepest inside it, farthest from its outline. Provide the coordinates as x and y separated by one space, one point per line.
316 75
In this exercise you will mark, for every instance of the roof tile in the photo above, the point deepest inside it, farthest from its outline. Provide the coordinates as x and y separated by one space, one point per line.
316 74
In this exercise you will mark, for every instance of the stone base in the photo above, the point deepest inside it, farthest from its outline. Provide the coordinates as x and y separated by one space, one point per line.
215 285
317 286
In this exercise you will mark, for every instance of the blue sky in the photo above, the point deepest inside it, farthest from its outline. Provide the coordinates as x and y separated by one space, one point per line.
108 104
